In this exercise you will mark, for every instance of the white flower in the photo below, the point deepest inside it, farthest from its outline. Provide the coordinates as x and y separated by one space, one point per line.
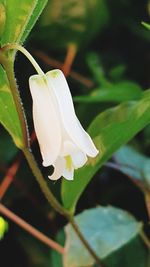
62 140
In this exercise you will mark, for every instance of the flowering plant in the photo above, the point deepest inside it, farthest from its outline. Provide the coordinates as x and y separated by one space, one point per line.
106 161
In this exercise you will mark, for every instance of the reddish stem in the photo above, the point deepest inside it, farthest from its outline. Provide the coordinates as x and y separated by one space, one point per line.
70 56
30 229
9 178
57 64
10 174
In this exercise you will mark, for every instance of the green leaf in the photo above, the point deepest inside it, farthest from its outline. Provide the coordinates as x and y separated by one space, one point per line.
133 163
20 18
95 65
132 254
8 114
120 92
56 258
146 25
40 4
110 130
107 229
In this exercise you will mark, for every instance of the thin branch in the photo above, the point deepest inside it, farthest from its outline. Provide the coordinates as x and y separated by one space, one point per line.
9 177
11 172
70 56
117 167
145 239
57 64
138 183
30 229
147 202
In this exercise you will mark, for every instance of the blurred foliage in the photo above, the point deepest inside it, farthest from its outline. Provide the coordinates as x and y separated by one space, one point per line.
73 21
113 53
3 227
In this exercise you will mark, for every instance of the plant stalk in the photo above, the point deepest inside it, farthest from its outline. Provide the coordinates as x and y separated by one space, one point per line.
42 183
8 65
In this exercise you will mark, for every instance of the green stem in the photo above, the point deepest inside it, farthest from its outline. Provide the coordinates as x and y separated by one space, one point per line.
8 65
145 239
42 183
26 53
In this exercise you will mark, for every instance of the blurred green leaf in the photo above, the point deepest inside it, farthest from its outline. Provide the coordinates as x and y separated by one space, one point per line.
20 18
146 25
56 258
110 130
107 229
120 92
73 21
95 65
8 114
133 163
3 227
117 72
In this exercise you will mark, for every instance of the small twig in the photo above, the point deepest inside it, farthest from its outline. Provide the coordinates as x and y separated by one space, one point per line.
139 184
145 239
9 177
11 172
30 229
147 202
57 64
117 167
70 56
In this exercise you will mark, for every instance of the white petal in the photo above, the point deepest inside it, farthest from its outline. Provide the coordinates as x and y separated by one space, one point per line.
59 167
68 173
58 84
68 148
46 121
79 158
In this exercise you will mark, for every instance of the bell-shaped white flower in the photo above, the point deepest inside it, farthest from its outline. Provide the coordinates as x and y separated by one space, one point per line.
62 140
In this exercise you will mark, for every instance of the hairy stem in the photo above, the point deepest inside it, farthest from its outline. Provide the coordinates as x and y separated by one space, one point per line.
9 68
42 183
71 53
